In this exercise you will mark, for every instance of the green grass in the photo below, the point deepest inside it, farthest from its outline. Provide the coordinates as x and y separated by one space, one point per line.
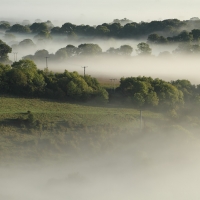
78 129
46 110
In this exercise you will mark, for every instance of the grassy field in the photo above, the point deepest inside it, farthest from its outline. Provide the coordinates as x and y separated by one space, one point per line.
48 111
65 129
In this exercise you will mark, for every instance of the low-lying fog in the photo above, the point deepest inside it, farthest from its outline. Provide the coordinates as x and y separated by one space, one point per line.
149 167
167 68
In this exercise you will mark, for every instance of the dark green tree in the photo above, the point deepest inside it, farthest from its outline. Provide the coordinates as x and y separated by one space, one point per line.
4 50
17 28
89 49
125 50
143 49
38 27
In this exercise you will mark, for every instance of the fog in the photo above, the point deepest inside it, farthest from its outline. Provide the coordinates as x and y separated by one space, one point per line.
148 166
162 164
167 68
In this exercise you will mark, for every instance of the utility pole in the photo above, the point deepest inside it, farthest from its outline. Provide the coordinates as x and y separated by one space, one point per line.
46 62
15 56
84 70
140 119
113 83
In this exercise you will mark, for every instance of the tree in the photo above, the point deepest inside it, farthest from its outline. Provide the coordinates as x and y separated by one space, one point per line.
186 88
56 30
41 53
61 54
130 30
17 28
169 96
152 99
145 91
184 36
136 89
27 78
156 39
4 50
115 29
112 51
49 24
143 49
89 49
17 81
125 50
26 43
38 27
102 31
196 34
43 35
4 25
122 21
4 69
153 38
67 28
71 50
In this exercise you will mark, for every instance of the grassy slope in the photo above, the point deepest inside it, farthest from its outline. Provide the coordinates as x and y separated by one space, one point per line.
96 128
45 110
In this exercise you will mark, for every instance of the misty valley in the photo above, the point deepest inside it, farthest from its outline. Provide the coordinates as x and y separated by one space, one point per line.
110 111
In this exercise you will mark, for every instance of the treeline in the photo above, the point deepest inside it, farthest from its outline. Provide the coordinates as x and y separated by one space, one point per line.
88 49
123 29
24 79
149 92
183 36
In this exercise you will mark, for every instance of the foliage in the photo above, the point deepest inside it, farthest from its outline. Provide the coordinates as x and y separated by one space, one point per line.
89 49
143 49
4 50
26 43
38 27
23 78
17 28
145 91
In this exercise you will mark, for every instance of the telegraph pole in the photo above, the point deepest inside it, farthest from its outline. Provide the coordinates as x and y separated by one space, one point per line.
15 56
46 62
84 70
113 83
140 119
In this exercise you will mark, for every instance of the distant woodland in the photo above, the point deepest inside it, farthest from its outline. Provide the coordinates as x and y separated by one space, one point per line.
185 34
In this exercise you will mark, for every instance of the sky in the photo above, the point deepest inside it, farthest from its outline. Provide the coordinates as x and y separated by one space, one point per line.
97 12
